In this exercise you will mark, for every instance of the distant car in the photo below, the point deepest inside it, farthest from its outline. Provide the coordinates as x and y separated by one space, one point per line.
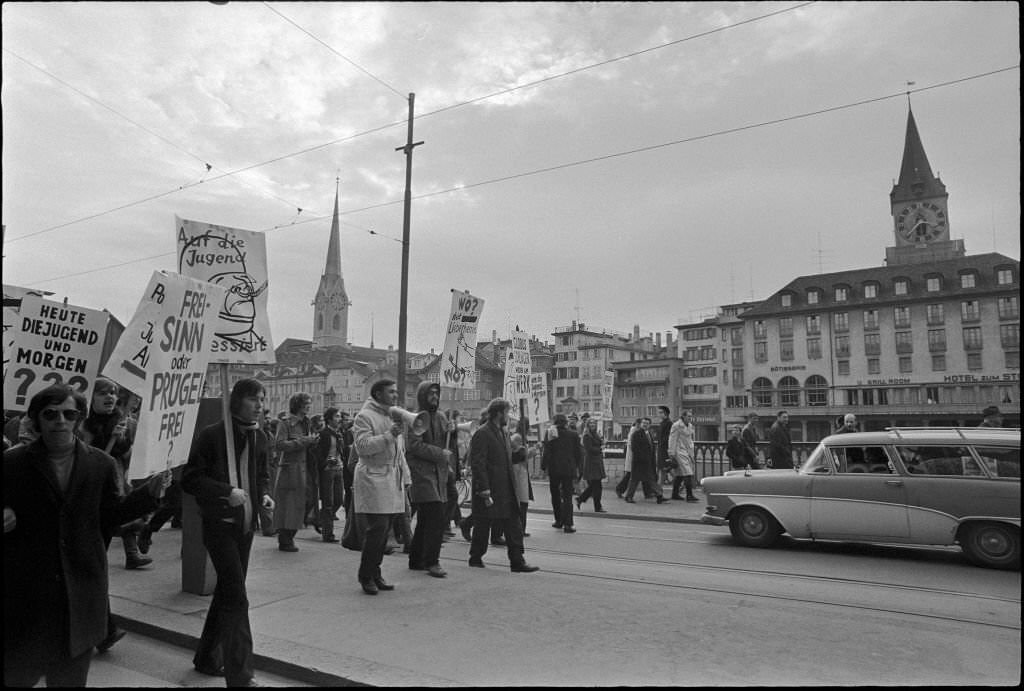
924 486
614 448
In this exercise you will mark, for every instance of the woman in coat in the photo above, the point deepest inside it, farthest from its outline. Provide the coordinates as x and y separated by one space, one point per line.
293 440
593 466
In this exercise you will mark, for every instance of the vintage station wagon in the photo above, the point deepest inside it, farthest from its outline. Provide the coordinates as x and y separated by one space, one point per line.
923 486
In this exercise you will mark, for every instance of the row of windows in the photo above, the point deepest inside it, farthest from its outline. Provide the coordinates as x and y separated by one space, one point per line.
905 363
696 354
1009 338
900 286
789 393
695 372
935 313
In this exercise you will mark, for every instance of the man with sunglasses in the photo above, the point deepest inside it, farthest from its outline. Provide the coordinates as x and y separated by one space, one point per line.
60 497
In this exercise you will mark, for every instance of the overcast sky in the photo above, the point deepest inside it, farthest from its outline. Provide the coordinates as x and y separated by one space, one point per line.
111 112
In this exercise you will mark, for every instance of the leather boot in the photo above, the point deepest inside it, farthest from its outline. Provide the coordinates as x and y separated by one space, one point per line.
132 558
286 541
676 484
327 525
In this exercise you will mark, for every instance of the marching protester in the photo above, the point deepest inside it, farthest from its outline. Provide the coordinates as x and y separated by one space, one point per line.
62 498
627 468
680 450
226 490
521 472
593 466
644 471
665 467
429 463
329 452
563 462
494 498
293 441
380 480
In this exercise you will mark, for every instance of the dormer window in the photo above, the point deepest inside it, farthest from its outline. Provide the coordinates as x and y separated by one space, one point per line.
933 284
813 296
787 300
870 290
901 286
968 279
842 293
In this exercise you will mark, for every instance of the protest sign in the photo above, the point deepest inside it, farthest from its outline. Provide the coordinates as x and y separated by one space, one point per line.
458 361
538 407
607 390
52 343
162 357
235 260
12 303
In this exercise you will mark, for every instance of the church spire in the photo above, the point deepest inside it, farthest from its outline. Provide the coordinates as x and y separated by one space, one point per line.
330 307
916 178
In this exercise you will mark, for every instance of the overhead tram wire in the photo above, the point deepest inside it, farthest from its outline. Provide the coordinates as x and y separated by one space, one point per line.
403 122
619 154
359 67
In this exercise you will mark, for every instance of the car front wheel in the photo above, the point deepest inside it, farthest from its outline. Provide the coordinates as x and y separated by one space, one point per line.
994 545
753 527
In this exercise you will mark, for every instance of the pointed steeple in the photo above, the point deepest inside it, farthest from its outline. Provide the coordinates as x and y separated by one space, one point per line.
916 178
333 267
330 307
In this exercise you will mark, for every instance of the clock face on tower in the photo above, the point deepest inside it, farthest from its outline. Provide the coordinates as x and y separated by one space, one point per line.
921 222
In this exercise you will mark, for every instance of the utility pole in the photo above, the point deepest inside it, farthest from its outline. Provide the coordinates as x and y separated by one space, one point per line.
403 316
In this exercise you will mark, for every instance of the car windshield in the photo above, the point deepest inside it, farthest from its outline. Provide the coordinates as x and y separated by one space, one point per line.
817 462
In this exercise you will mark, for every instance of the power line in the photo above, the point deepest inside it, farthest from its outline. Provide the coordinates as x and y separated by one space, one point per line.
403 122
610 156
330 48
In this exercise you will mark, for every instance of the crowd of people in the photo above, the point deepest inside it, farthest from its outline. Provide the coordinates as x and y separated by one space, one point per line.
382 472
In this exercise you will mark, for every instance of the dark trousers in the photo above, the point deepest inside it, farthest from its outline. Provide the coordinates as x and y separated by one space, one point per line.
226 636
623 483
169 509
594 489
452 505
651 488
67 672
511 526
375 539
561 498
332 490
425 550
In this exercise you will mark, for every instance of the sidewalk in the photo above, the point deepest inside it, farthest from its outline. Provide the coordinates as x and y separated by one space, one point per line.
310 620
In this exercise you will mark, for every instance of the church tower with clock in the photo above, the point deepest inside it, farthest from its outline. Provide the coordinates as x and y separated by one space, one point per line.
920 210
330 306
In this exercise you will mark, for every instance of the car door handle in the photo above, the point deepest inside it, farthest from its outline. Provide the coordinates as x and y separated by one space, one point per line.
894 483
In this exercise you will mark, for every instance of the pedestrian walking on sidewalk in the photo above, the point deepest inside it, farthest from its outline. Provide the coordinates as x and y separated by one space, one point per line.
644 471
749 438
293 442
494 497
521 472
593 466
627 467
734 449
563 461
62 498
665 468
429 463
329 452
380 480
226 490
680 449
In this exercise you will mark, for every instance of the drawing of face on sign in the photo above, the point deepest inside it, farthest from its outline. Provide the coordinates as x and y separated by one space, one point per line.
239 310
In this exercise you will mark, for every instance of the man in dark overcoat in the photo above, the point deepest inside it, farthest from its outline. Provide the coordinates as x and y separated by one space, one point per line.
563 461
494 498
60 497
644 470
780 448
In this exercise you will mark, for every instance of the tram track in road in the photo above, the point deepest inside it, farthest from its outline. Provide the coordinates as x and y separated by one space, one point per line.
906 592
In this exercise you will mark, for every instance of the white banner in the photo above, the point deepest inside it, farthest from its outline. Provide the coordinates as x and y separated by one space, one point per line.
607 390
458 361
516 386
12 303
52 343
162 356
236 260
539 406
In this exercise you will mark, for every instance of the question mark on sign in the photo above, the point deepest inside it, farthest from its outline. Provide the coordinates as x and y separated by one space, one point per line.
170 448
30 376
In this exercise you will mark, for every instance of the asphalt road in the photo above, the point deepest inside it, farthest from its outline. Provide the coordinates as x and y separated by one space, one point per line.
620 602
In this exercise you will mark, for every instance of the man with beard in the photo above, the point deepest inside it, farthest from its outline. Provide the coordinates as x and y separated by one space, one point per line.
429 463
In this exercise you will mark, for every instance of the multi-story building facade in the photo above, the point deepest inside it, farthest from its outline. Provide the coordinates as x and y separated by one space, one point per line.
930 338
644 384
